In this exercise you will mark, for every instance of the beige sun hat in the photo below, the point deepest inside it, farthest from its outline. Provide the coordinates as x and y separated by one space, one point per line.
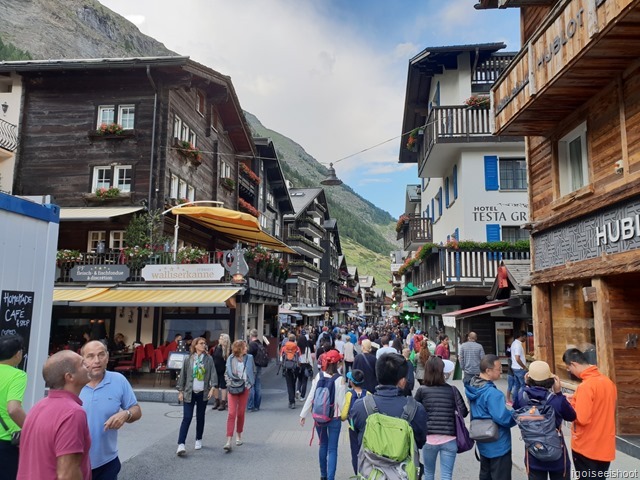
540 371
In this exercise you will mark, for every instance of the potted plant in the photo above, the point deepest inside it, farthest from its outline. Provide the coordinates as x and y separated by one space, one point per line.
191 255
189 151
110 129
228 183
67 256
249 173
104 193
401 221
478 101
412 140
246 207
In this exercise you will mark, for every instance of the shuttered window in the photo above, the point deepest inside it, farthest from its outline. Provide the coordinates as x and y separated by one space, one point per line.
493 232
491 173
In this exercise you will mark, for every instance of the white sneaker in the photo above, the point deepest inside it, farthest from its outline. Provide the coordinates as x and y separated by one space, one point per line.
298 396
181 450
198 444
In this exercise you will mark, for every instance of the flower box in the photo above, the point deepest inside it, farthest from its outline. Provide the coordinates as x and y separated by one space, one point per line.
228 183
189 152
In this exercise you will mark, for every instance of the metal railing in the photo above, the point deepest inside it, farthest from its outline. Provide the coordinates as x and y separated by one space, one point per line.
8 136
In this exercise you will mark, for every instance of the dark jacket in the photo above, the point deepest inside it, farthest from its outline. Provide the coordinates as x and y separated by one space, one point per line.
390 402
438 401
486 401
367 363
564 411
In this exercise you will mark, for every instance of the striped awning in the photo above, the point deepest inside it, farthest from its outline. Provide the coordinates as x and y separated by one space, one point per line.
62 296
159 297
78 214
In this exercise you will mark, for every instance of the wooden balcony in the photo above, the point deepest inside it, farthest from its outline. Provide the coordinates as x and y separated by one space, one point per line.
416 231
486 74
247 186
446 267
311 228
304 269
8 136
305 247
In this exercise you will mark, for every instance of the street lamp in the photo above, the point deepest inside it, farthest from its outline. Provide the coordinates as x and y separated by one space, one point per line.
332 179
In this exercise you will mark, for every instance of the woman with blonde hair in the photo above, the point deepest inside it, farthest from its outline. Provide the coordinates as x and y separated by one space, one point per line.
220 355
421 361
195 387
240 377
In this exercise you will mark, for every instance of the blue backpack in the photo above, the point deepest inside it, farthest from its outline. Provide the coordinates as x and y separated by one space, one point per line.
537 422
324 399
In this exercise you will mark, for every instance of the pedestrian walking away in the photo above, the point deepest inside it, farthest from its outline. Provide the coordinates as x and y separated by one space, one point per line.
240 377
543 389
55 439
469 355
305 369
254 349
13 383
487 402
355 379
440 401
195 387
366 361
109 402
328 429
290 362
593 434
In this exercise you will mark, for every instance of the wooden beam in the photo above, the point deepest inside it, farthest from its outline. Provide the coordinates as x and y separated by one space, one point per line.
602 324
542 328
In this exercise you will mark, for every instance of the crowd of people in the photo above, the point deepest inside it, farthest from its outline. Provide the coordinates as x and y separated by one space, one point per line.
381 382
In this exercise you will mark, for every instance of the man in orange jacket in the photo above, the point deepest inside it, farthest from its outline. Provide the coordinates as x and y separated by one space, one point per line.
593 434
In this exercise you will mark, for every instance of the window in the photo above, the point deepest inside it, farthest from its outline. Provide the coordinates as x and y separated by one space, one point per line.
200 103
454 180
446 192
125 118
513 174
94 238
572 160
173 189
270 200
439 200
181 131
120 176
514 234
116 239
182 189
225 170
191 193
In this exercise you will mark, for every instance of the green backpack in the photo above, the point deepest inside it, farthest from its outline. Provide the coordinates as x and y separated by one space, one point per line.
388 451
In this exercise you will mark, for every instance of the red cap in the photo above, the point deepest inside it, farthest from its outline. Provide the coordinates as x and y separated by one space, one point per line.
332 356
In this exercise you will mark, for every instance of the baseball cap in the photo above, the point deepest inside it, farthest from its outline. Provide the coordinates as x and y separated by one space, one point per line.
539 371
356 376
332 356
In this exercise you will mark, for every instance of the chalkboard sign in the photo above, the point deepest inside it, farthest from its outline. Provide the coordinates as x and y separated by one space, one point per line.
16 310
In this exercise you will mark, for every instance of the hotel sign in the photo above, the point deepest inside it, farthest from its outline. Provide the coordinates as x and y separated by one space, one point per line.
201 272
611 230
547 54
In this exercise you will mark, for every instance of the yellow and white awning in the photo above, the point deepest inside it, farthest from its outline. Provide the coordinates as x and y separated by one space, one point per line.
159 297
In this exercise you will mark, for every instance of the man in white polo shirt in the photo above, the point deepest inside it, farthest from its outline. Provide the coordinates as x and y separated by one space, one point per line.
109 402
518 362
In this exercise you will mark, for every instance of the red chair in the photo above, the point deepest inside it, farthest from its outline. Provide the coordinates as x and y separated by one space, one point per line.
161 367
134 366
149 354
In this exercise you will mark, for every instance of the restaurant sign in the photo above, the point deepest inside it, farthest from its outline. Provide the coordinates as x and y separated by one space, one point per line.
611 230
200 272
99 273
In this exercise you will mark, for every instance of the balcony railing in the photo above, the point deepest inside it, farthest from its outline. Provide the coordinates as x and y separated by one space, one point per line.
311 228
304 268
448 267
305 246
416 231
8 136
247 186
488 71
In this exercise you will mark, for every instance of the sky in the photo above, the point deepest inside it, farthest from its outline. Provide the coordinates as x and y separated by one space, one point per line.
329 74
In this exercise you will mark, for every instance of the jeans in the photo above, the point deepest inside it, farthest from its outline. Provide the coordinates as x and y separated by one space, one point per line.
237 409
498 468
448 452
329 435
8 460
108 471
518 380
255 394
200 403
540 475
302 379
290 376
511 382
355 448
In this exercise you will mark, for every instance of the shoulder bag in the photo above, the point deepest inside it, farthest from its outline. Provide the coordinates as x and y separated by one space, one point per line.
236 385
483 430
463 440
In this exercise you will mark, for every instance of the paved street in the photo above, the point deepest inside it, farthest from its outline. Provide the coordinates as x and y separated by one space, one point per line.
275 446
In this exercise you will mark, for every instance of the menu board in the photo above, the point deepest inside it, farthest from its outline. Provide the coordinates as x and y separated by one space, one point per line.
16 311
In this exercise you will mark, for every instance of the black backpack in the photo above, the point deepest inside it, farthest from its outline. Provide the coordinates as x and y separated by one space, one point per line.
262 356
537 422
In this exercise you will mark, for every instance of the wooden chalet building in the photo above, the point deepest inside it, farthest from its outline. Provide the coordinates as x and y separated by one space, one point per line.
574 92
110 138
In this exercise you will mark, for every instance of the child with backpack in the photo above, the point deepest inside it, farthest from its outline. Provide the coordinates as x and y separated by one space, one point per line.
325 402
355 391
539 410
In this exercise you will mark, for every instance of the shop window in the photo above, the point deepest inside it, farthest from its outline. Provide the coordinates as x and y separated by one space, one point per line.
573 323
573 160
514 234
116 239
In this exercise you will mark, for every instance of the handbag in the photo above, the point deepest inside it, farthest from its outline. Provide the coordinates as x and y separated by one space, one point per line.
483 430
464 442
15 436
236 385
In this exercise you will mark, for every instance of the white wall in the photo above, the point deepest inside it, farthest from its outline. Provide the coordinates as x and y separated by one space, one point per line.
12 115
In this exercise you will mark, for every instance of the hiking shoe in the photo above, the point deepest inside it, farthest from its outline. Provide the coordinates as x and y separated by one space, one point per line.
198 445
181 450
